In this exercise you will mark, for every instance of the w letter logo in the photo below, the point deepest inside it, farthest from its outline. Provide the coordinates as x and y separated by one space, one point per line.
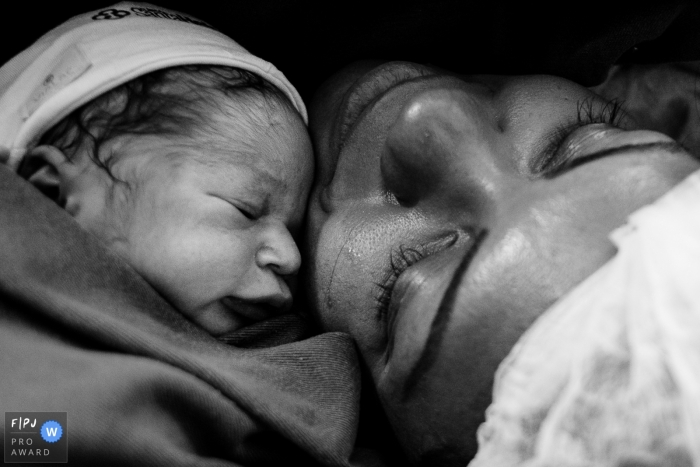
51 431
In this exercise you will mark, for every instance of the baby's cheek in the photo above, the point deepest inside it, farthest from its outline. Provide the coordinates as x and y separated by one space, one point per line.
175 266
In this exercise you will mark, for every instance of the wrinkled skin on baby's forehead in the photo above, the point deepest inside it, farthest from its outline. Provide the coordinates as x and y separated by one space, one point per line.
510 198
181 101
256 132
255 126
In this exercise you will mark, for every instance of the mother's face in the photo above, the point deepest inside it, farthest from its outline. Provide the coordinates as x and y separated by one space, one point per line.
449 212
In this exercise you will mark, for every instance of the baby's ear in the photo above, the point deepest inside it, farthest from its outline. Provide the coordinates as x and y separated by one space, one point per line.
47 168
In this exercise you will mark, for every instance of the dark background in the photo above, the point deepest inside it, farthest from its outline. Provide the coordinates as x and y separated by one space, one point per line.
308 40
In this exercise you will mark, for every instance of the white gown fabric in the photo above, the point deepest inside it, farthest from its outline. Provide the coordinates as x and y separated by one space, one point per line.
610 375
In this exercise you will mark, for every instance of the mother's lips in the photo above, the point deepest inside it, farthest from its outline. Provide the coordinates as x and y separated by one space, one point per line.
367 89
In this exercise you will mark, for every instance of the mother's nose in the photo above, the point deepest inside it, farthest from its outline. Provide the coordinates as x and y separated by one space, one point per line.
444 142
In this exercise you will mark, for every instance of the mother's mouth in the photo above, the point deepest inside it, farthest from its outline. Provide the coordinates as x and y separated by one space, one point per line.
366 90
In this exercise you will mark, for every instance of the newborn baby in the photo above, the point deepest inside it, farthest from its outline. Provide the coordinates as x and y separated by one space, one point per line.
185 154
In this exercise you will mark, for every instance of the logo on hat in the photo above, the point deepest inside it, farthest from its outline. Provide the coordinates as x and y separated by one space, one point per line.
111 13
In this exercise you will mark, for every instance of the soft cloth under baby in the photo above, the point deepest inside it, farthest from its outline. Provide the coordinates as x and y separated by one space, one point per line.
610 375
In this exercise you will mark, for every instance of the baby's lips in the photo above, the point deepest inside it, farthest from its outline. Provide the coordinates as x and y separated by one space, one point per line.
257 310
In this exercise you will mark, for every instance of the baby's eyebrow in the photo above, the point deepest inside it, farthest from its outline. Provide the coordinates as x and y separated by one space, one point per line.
441 320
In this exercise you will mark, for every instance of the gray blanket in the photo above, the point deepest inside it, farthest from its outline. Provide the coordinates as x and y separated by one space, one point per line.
82 333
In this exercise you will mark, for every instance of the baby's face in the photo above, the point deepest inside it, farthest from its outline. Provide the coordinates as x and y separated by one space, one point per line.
210 221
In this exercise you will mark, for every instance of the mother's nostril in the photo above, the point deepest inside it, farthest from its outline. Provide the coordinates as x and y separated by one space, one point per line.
432 135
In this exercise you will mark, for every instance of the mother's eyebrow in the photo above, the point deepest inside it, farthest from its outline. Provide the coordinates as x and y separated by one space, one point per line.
438 327
668 146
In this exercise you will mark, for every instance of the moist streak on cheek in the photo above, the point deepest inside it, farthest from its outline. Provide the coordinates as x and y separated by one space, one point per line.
368 248
362 259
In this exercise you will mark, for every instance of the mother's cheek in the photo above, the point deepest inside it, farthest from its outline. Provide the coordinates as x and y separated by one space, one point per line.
352 256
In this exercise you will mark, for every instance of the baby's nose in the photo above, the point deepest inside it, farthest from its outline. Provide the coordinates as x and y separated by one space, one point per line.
278 252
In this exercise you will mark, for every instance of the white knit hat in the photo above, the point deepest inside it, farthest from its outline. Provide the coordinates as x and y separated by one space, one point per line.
97 51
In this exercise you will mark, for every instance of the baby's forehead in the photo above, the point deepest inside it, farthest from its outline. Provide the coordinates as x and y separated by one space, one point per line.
253 136
271 145
259 166
259 114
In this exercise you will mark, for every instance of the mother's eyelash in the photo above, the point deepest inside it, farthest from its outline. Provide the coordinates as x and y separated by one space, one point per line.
588 112
400 259
611 112
403 257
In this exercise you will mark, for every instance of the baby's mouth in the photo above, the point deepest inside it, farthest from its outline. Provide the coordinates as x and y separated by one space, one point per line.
252 311
230 314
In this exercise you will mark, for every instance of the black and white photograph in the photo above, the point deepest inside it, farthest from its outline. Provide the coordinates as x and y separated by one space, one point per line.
377 233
